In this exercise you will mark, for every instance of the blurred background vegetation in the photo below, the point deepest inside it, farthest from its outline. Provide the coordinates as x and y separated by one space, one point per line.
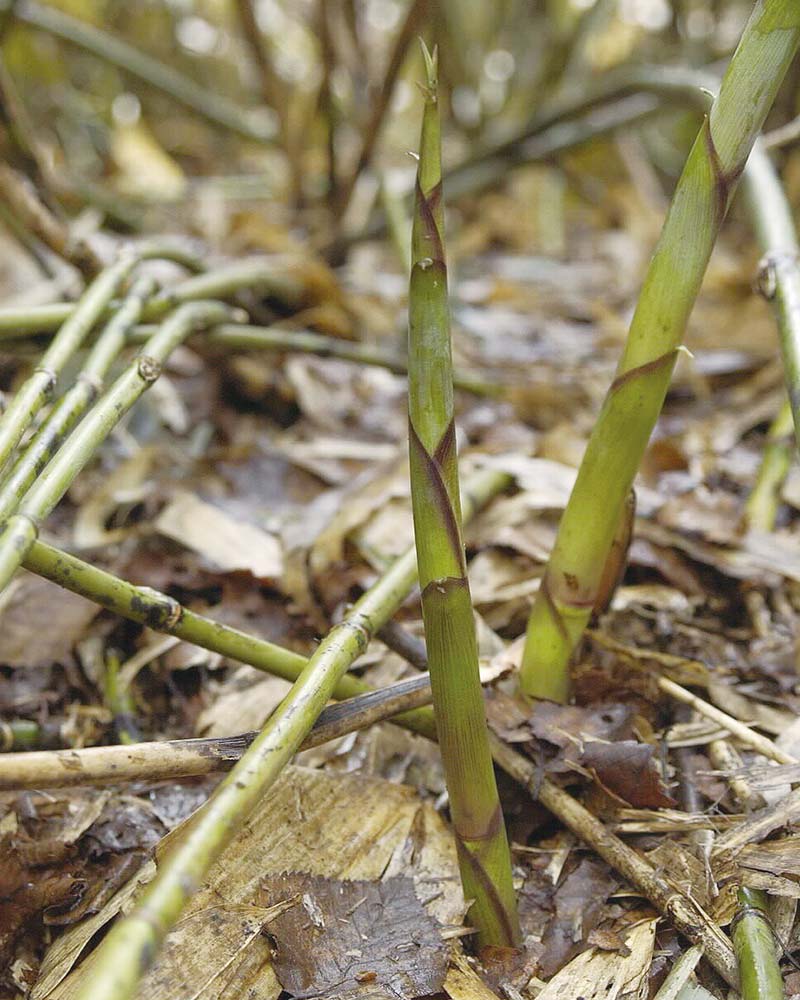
319 97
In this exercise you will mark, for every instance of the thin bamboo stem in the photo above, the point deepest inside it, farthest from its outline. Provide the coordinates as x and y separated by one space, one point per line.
484 857
759 973
726 758
736 728
267 338
38 388
28 735
563 605
119 701
74 403
679 974
21 529
762 505
22 201
779 278
205 103
273 92
174 759
274 339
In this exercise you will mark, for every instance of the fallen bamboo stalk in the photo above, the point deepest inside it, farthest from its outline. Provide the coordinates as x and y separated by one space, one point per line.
173 759
679 974
757 742
685 914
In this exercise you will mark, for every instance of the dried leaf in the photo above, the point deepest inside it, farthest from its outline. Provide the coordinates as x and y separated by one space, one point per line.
41 622
338 937
229 544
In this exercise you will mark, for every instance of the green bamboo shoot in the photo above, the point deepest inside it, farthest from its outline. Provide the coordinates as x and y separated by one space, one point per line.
483 852
634 400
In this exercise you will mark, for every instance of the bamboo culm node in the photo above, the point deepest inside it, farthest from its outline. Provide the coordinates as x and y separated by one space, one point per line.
483 853
563 606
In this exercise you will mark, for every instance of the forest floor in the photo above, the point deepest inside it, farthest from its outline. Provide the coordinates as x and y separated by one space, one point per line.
269 490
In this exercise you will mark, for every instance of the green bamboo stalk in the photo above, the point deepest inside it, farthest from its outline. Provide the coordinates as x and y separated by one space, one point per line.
77 399
235 337
484 857
27 735
274 339
21 529
119 701
131 945
779 280
213 107
563 606
754 944
265 274
164 614
762 505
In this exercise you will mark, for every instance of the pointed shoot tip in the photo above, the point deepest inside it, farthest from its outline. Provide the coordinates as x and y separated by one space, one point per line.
431 65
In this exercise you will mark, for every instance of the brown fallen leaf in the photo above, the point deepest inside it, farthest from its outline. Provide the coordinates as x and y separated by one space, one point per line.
230 544
40 622
338 937
594 739
579 907
629 771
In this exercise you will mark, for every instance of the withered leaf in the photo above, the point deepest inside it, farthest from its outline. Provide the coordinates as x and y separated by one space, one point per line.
41 622
593 738
628 770
353 938
579 907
